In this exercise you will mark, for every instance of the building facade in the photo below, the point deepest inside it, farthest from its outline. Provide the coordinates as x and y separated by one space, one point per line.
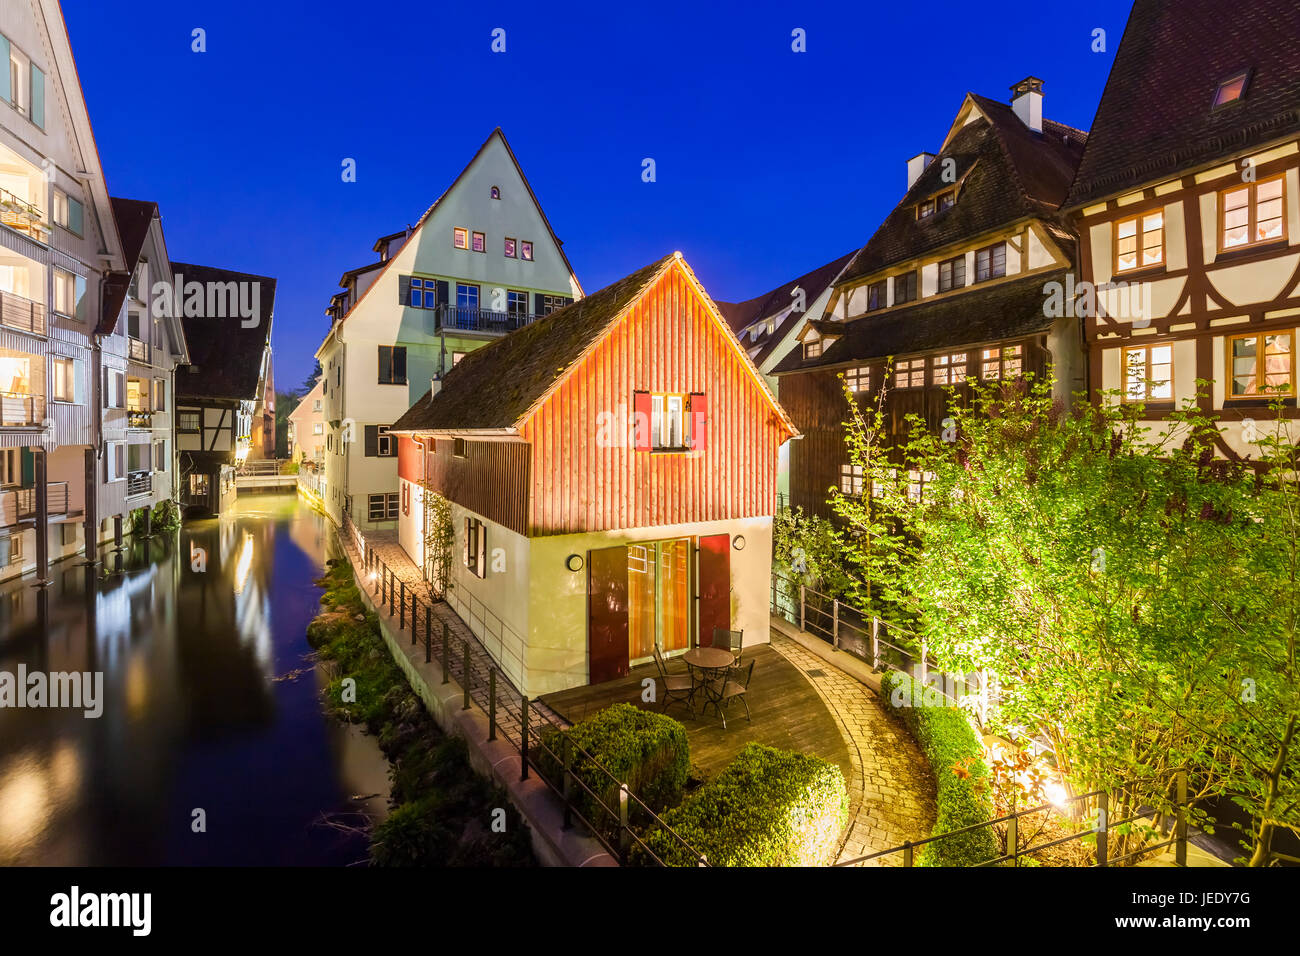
618 498
954 288
1191 225
307 428
480 262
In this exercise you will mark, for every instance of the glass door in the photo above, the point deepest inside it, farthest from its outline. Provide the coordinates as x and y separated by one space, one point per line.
658 575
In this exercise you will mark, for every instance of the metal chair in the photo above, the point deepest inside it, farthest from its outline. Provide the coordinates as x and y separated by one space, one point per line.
675 686
732 641
732 687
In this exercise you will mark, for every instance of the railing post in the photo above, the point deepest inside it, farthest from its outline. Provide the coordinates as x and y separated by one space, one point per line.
1180 832
466 676
1013 840
835 623
446 655
401 611
567 756
492 704
392 592
907 853
428 635
875 642
1103 828
523 738
624 830
802 606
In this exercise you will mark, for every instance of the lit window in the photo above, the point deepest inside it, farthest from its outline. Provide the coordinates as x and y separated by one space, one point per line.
991 262
187 421
476 547
318 428
950 369
69 294
1231 89
916 482
479 243
952 273
1000 363
1148 374
947 200
1251 377
526 250
812 349
1140 241
668 422
904 288
910 374
877 295
64 380
457 356
1252 214
853 479
925 210
510 248
460 238
858 379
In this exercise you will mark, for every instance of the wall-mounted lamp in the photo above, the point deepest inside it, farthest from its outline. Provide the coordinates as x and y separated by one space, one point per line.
573 562
738 542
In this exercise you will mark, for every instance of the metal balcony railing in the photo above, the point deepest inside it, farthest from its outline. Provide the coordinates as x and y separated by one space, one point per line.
139 418
480 320
139 483
138 351
20 215
17 408
56 501
22 314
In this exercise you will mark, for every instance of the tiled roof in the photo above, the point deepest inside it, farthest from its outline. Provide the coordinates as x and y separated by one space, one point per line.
1156 117
225 357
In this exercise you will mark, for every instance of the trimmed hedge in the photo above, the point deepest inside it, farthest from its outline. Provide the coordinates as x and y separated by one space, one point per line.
947 739
647 751
768 807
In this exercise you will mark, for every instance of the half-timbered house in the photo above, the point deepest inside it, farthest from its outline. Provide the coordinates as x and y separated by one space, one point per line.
612 474
953 288
1187 201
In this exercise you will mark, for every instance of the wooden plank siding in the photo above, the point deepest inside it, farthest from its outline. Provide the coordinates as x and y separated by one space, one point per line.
491 480
667 341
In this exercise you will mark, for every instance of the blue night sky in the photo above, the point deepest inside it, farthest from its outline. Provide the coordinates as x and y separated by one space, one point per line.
769 162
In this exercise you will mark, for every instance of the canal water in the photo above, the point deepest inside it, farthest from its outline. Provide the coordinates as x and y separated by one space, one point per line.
211 707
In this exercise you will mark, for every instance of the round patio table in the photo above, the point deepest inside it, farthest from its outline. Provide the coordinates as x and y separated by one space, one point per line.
704 663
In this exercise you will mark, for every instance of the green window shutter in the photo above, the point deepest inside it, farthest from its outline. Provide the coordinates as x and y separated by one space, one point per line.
28 467
76 216
82 302
6 94
38 96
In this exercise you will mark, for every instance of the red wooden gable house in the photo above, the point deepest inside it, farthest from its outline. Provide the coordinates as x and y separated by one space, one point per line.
612 474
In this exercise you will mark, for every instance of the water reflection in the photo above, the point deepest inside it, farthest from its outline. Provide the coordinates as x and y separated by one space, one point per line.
191 638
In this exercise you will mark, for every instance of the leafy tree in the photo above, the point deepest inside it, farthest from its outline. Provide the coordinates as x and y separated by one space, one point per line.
439 541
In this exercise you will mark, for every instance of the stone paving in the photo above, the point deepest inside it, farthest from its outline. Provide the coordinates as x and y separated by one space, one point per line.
891 795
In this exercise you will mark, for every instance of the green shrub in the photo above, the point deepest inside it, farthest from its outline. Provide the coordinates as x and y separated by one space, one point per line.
961 777
768 807
645 750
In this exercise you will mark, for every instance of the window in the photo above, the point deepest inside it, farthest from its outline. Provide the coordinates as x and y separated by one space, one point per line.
668 422
65 373
114 388
1148 374
392 365
1000 363
160 455
318 428
457 356
852 479
315 405
479 242
385 446
459 448
160 394
423 294
812 349
476 547
910 373
553 303
925 209
952 273
496 192
949 369
1231 89
69 295
460 238
26 85
510 248
877 295
1252 214
466 296
947 200
516 303
133 325
10 469
858 379
1140 241
187 421
115 461
916 482
381 507
526 250
69 213
991 262
904 288
1252 378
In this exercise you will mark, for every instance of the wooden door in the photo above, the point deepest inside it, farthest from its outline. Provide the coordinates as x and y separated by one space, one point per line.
607 638
715 586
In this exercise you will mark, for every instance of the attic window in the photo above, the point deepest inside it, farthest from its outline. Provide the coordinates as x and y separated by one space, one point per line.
925 210
946 200
1231 89
496 192
812 349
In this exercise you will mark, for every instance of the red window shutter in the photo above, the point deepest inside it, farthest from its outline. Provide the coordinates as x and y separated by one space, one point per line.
699 420
641 417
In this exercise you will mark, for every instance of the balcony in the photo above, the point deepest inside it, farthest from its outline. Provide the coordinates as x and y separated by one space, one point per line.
447 317
20 409
138 351
139 418
22 314
139 483
21 216
19 504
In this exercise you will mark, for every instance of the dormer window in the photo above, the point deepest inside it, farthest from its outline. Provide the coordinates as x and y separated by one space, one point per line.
946 200
496 192
877 295
1231 89
812 349
925 210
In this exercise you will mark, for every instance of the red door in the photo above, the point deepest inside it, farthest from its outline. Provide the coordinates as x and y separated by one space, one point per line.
715 585
607 614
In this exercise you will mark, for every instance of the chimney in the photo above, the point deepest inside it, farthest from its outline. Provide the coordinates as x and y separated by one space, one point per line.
1027 101
916 166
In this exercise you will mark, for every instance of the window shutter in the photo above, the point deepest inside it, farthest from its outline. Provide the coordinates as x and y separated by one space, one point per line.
404 290
28 466
469 530
385 363
372 441
641 419
103 386
482 550
38 96
539 303
699 420
443 292
76 216
6 93
399 363
82 300
568 300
